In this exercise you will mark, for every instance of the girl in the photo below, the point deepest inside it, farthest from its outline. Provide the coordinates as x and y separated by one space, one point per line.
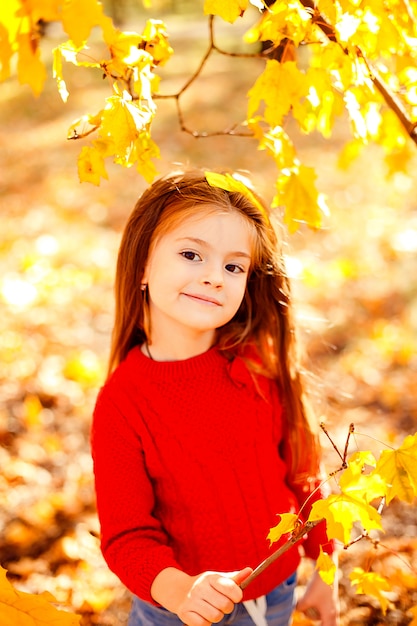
200 435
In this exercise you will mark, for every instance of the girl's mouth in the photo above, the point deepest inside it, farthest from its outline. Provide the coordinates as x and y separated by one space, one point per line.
204 299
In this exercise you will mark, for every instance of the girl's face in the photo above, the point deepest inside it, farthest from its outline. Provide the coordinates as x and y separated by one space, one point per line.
197 275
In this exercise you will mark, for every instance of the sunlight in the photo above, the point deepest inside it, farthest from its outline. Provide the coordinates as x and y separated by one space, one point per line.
18 292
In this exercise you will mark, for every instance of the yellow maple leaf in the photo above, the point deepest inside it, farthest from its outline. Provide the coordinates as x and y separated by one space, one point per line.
349 153
229 10
30 69
328 8
319 109
47 10
326 567
280 86
230 182
69 52
156 42
278 144
145 150
6 53
57 73
18 607
398 468
79 17
91 166
298 193
123 121
288 20
286 524
342 512
371 584
125 51
355 482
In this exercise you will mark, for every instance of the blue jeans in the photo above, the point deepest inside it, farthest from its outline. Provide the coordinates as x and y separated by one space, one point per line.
280 605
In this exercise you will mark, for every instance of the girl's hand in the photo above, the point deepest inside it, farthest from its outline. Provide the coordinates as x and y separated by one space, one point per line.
320 601
199 600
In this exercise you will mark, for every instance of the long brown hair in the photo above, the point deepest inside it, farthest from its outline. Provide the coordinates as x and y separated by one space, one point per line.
264 319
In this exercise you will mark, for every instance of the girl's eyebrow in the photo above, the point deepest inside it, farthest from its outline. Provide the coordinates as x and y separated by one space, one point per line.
205 244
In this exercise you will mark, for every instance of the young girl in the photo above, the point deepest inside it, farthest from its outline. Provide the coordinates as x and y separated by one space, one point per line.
201 435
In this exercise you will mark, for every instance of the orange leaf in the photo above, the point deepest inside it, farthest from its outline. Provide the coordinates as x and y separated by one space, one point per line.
18 607
371 584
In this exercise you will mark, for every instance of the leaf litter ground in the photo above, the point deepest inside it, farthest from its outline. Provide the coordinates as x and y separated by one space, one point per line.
354 284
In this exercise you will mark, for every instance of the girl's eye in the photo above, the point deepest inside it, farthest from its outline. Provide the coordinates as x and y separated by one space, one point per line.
190 255
234 269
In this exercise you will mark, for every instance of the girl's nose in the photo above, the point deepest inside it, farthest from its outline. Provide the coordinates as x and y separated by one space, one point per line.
213 276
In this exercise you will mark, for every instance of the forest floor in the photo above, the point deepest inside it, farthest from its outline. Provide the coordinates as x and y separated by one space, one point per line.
355 289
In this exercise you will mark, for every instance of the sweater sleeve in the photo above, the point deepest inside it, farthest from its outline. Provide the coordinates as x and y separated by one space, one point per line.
133 541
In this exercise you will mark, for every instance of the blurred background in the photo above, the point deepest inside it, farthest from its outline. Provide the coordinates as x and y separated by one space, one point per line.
355 287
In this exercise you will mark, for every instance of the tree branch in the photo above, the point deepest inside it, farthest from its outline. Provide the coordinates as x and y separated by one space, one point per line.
177 96
390 99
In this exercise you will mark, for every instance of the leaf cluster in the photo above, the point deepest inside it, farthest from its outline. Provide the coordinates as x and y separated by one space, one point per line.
321 61
355 511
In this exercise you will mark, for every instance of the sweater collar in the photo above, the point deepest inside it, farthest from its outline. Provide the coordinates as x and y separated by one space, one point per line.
198 363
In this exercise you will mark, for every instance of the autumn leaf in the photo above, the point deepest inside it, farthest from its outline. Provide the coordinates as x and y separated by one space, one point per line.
323 103
279 87
371 584
146 149
57 74
229 11
398 468
288 20
156 41
235 183
326 567
361 485
6 53
30 69
123 121
79 17
91 166
286 524
18 607
69 52
342 512
297 192
277 143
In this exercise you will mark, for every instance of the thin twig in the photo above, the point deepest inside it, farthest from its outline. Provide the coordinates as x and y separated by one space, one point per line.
295 538
77 135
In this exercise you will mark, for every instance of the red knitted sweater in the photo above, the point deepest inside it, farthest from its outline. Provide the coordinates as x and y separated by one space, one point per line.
188 472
